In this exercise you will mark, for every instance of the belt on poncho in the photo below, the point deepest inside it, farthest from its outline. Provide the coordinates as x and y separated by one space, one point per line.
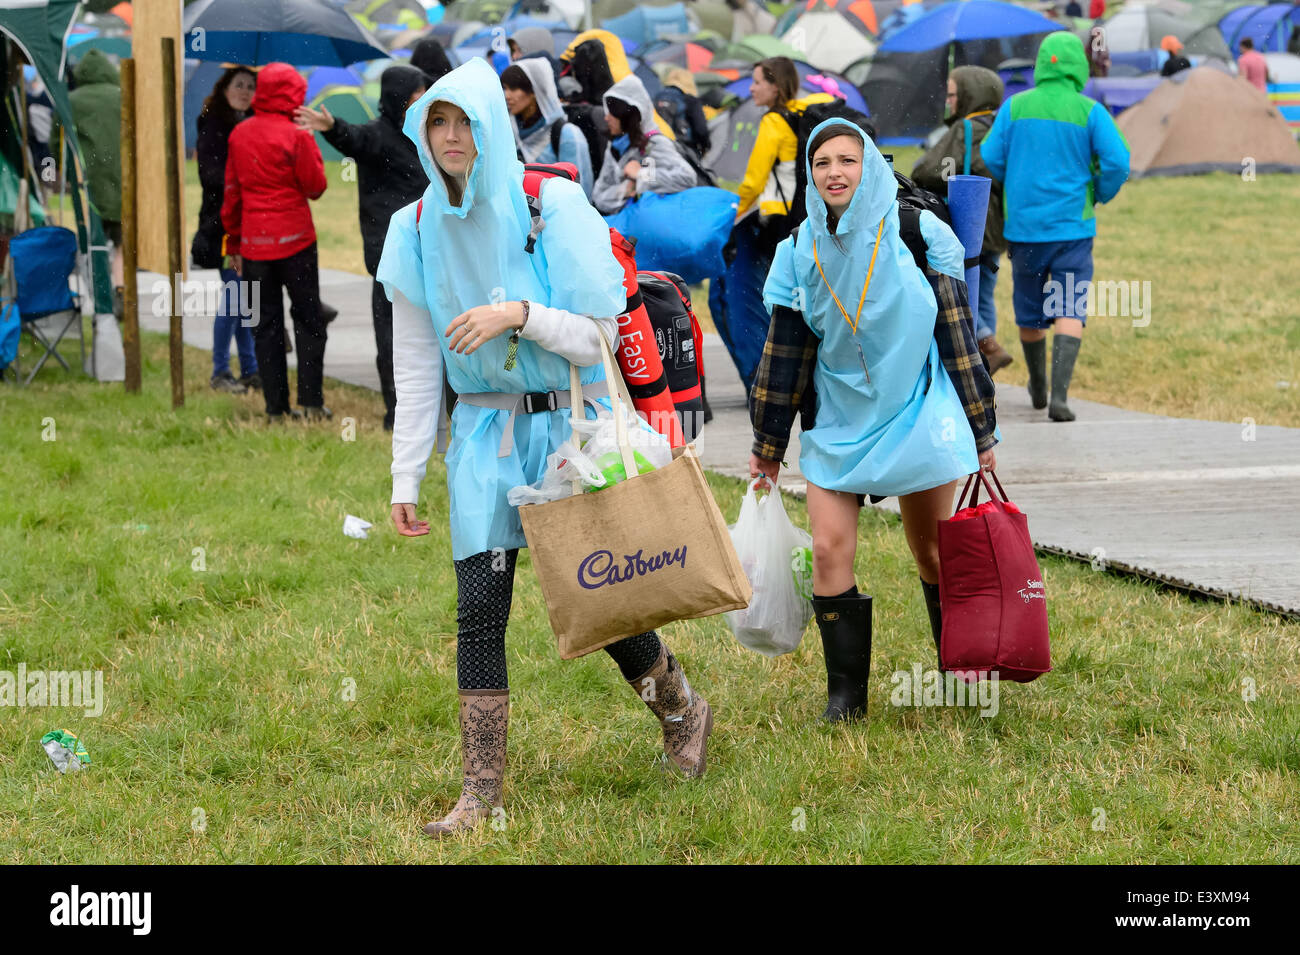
533 402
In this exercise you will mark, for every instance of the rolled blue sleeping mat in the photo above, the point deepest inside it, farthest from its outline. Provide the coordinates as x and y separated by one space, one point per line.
968 205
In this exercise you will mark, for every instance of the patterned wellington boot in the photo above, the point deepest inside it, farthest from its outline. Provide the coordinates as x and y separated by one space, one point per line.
684 714
484 715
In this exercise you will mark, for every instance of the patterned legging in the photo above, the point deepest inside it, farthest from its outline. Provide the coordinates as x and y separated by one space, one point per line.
483 598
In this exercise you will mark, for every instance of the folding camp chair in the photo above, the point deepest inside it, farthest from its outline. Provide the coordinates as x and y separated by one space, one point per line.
42 259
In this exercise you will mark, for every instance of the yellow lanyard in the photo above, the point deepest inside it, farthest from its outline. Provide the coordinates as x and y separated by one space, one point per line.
853 324
983 112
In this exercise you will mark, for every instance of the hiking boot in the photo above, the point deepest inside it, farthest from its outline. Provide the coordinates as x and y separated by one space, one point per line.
484 719
226 382
252 382
845 625
684 715
1036 363
316 413
1065 349
995 356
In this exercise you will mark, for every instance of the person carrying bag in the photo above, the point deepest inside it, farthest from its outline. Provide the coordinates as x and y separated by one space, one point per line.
880 359
505 323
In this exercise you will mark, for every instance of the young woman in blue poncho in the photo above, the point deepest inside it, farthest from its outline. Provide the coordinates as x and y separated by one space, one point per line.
505 324
879 357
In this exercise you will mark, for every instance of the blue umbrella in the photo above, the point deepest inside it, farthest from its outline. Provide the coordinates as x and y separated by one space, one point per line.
965 21
254 32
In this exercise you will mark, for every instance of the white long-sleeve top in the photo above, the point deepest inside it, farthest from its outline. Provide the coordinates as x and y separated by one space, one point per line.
417 377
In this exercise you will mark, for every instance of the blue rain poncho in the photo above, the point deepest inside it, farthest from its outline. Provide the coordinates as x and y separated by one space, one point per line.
888 419
459 257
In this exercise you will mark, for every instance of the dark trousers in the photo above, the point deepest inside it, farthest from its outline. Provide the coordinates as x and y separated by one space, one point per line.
299 275
382 311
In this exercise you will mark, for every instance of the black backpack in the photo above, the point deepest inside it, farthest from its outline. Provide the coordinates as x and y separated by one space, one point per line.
667 301
590 121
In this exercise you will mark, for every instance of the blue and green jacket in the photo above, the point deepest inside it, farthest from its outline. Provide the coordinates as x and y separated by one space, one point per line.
1055 151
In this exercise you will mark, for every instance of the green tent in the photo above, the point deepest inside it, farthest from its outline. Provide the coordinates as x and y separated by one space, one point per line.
40 29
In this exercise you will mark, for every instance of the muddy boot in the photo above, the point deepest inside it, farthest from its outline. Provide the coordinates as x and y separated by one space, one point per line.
931 592
1036 362
684 715
1065 349
484 715
845 624
994 355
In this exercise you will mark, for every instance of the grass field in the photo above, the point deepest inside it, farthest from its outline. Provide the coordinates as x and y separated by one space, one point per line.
197 559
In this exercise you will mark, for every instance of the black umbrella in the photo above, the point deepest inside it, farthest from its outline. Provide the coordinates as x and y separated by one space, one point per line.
254 32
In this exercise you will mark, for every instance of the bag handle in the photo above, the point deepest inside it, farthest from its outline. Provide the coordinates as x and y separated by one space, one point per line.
974 498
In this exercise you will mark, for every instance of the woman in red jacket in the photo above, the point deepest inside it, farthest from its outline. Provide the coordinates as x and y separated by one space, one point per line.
272 170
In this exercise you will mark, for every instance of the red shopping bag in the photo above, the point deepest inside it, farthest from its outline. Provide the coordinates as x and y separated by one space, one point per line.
991 589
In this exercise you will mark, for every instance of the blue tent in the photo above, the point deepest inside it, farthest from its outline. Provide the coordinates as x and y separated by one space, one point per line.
966 21
647 24
1268 25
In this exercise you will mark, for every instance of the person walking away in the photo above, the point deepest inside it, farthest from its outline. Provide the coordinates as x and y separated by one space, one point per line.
389 176
272 171
1057 153
1253 66
447 264
679 104
974 95
878 386
763 213
97 115
541 133
1176 62
229 103
639 158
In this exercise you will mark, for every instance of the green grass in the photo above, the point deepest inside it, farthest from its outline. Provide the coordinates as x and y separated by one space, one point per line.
225 686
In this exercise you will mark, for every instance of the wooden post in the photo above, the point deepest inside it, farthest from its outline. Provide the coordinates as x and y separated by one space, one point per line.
171 152
130 239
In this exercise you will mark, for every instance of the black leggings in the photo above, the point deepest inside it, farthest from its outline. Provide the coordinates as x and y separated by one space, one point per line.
485 587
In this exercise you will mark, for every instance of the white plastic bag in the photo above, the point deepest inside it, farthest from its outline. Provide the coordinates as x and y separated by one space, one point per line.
775 556
562 466
599 442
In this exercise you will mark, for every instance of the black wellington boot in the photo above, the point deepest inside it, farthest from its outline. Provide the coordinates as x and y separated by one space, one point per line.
1065 349
931 592
1036 363
845 624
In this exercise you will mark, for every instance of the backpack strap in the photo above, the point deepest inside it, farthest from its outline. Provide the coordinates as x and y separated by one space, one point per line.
909 230
557 129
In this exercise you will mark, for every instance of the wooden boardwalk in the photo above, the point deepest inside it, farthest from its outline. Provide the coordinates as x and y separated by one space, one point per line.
1210 507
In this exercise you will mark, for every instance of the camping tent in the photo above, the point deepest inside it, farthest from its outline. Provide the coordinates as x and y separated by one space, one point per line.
1202 120
1284 85
831 35
40 29
906 81
1141 26
1268 25
646 24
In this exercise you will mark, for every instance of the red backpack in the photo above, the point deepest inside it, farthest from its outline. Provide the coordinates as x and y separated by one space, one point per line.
641 364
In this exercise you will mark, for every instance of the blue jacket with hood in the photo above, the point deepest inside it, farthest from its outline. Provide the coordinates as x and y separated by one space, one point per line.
1055 151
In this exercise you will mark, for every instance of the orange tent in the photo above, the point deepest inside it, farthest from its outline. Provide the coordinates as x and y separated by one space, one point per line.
124 13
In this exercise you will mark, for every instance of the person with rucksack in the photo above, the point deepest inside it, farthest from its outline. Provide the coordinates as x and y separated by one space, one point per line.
542 134
1057 153
679 104
505 324
874 349
389 176
638 158
974 95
